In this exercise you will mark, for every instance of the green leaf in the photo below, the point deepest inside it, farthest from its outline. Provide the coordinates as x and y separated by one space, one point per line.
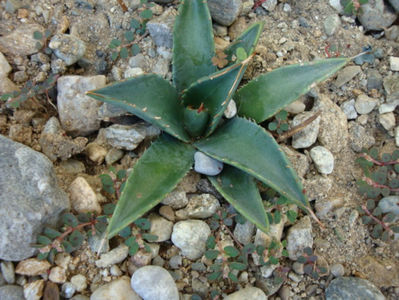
121 174
51 233
44 240
42 256
124 53
240 190
241 54
67 246
291 215
70 220
150 237
114 56
277 216
272 126
211 242
37 35
237 266
232 277
247 40
109 208
129 36
193 46
125 232
143 223
146 14
214 276
267 94
250 148
215 92
135 24
211 254
156 173
76 238
115 43
135 49
231 251
150 97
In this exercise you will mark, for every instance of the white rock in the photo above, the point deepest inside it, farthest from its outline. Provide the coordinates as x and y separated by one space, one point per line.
336 4
269 5
364 104
295 107
206 165
154 283
82 196
267 270
248 292
68 290
389 204
387 120
32 267
397 136
231 109
78 112
57 275
388 107
96 153
79 281
160 227
34 290
394 62
308 135
202 206
323 159
348 107
5 67
118 289
131 72
113 257
126 137
190 237
299 237
176 199
244 232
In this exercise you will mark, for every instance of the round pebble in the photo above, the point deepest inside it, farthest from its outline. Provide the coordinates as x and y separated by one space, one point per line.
323 159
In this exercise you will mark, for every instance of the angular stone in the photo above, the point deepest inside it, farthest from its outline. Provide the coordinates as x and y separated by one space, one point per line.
375 15
244 232
21 40
364 104
113 257
348 107
82 196
387 120
161 29
160 227
32 267
323 159
202 206
308 135
332 24
359 137
34 290
394 63
346 74
299 161
126 137
352 288
176 199
67 47
30 198
224 11
207 165
5 67
11 292
299 237
78 112
248 292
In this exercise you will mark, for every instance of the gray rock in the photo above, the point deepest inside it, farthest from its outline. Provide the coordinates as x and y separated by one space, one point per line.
248 292
82 196
202 206
68 290
206 165
389 204
364 104
323 159
78 112
7 269
397 136
308 135
113 257
176 199
113 155
127 137
79 281
392 33
331 24
299 161
387 120
336 4
7 86
331 117
154 283
244 232
388 107
269 5
395 4
394 63
160 227
56 144
139 61
30 198
82 297
391 86
299 237
337 270
375 15
11 292
67 47
352 288
359 138
96 241
348 107
224 12
374 79
346 74
190 237
20 41
5 67
295 107
161 29
175 261
107 111
13 5
118 289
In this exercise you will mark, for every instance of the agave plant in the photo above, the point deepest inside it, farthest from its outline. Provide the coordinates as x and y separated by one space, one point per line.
189 111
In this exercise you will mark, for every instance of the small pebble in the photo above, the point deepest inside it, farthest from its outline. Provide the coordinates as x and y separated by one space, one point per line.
68 290
79 281
337 270
364 104
57 275
323 159
7 269
387 120
206 165
394 62
112 257
82 197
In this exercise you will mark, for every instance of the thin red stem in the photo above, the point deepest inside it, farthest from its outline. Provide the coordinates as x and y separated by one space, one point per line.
385 226
377 162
